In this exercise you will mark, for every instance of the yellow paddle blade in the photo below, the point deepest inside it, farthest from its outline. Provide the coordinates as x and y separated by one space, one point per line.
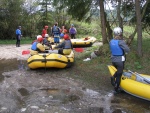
112 69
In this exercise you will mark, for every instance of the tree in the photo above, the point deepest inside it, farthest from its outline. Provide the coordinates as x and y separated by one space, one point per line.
139 28
103 22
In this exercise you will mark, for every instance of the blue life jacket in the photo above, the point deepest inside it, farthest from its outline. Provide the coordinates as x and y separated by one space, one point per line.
34 46
56 30
68 44
116 50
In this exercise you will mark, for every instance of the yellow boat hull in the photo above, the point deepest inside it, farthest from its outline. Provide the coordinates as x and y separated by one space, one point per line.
132 85
50 60
83 42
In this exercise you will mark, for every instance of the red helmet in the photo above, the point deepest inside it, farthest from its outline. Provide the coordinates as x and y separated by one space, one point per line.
66 37
40 39
46 27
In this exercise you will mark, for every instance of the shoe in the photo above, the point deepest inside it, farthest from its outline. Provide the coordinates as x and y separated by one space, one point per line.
87 59
112 80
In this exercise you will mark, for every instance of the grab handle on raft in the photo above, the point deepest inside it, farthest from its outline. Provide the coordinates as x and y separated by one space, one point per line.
138 75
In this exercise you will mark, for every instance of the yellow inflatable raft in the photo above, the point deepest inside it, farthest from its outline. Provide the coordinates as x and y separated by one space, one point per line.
133 83
83 42
50 60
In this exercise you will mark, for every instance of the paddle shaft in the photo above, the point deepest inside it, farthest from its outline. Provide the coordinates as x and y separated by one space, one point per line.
137 74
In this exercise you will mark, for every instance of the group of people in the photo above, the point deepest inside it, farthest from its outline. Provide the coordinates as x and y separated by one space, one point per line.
41 44
55 31
58 32
118 47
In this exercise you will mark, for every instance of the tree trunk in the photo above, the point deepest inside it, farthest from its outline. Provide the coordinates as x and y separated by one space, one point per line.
103 21
118 15
139 28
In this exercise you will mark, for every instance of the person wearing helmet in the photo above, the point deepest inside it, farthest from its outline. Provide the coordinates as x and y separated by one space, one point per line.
65 47
36 38
46 42
18 36
72 31
44 31
118 49
37 46
56 33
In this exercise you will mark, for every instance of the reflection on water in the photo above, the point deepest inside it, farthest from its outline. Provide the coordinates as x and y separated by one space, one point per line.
10 65
83 99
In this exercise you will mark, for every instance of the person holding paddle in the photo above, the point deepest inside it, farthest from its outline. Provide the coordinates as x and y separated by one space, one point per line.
46 42
118 49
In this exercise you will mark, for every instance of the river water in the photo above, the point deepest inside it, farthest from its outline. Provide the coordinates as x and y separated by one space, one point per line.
38 91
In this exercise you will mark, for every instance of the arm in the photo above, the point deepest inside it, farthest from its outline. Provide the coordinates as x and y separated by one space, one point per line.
61 45
40 47
124 46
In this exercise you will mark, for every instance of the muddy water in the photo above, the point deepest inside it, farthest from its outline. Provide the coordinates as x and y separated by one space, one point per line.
35 91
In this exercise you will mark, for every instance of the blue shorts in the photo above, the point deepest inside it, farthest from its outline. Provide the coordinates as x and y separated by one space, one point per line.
56 39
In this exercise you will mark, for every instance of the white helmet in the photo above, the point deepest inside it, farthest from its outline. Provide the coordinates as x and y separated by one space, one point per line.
46 35
117 31
39 36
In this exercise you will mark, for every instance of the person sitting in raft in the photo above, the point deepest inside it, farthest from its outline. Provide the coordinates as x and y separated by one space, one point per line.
65 47
46 42
37 46
36 38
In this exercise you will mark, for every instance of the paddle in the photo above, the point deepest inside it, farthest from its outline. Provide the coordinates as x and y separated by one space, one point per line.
79 49
24 52
138 75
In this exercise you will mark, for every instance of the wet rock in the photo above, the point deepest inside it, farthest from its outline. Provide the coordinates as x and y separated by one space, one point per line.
23 91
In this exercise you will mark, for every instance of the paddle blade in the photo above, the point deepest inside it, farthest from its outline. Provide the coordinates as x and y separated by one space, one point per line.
25 52
79 49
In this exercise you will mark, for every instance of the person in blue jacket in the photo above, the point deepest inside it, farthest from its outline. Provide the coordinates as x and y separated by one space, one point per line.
18 36
118 49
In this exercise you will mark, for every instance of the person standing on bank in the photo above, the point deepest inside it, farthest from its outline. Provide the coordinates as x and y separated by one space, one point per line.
18 36
118 49
44 31
56 33
72 31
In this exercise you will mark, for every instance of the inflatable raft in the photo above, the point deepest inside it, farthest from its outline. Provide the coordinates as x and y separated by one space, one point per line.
50 60
133 83
83 42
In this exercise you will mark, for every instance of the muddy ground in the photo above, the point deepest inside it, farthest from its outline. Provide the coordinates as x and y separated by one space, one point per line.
38 91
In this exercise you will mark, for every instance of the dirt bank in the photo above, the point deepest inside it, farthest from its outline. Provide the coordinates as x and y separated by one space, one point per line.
11 51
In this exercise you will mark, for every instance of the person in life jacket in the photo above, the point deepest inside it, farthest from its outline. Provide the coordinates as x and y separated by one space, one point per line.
18 36
72 32
56 33
65 47
44 31
37 46
36 38
118 49
46 42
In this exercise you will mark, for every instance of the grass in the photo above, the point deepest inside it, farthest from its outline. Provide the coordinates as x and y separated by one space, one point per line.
24 40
